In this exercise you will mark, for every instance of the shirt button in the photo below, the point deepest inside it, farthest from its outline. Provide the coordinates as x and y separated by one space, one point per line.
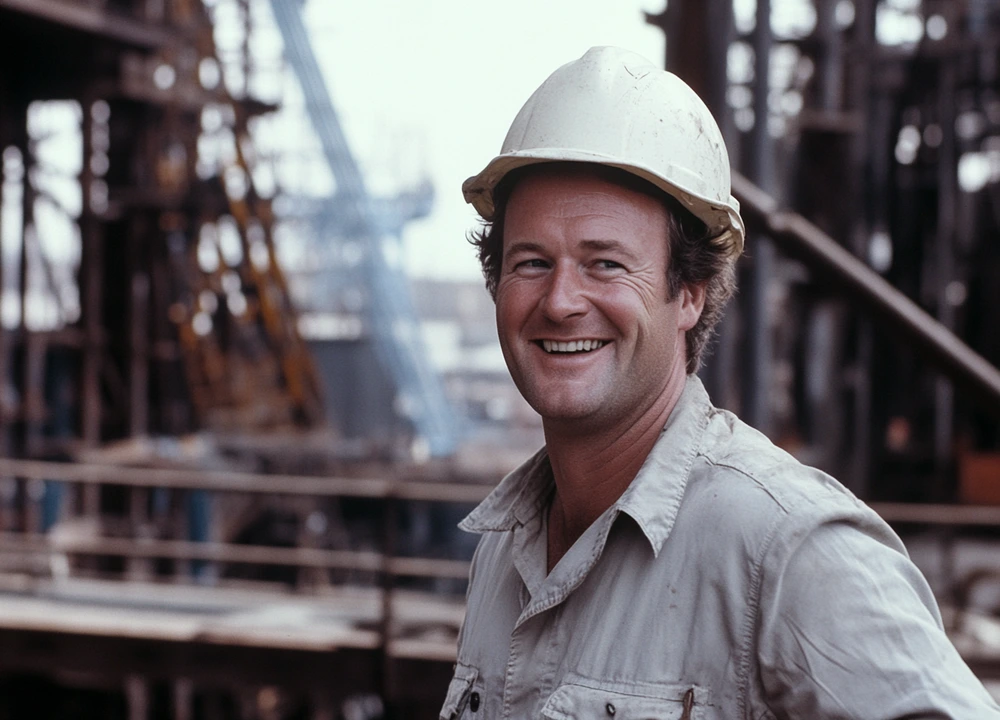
610 708
474 702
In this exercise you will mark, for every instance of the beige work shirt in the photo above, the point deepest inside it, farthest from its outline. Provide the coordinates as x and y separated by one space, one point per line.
728 581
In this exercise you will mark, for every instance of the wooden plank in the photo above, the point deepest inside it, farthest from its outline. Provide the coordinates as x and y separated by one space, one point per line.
287 626
427 626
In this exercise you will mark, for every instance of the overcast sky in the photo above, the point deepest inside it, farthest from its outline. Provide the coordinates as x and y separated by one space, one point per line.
433 86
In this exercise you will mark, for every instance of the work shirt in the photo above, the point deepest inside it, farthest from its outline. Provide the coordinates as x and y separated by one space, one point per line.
728 581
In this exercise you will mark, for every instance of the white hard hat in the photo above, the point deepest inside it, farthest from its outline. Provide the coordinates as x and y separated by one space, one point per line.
614 107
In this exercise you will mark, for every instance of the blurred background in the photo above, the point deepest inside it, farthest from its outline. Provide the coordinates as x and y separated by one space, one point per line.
249 373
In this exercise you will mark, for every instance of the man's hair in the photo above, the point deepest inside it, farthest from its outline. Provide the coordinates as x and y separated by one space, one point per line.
693 256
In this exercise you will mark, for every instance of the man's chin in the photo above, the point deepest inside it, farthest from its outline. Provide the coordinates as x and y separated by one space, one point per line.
576 409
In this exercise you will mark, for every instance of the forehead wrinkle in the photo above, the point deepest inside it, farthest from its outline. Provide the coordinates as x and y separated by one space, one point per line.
524 246
606 245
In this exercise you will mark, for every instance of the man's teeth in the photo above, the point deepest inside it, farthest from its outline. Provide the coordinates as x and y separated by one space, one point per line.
551 346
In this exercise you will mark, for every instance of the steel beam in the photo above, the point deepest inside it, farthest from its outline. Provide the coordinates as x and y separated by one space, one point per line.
94 21
799 238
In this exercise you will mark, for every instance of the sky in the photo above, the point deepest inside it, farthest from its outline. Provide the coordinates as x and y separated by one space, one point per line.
432 86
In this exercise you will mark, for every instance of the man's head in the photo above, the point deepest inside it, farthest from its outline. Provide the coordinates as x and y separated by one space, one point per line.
645 130
591 332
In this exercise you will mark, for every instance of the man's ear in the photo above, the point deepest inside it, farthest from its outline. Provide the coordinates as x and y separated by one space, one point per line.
692 302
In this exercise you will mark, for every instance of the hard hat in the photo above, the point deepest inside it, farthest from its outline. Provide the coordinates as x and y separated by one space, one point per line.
614 107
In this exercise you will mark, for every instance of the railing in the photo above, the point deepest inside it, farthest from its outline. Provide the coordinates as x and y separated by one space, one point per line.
378 625
28 478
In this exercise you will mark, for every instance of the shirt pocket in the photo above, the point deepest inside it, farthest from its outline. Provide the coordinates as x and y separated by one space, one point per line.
670 702
460 692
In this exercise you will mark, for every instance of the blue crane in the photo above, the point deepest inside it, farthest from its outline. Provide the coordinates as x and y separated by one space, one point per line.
393 321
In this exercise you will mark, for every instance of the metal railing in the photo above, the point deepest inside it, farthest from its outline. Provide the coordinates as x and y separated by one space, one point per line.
25 479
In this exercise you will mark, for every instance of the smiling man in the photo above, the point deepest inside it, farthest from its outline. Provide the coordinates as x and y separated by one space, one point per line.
659 558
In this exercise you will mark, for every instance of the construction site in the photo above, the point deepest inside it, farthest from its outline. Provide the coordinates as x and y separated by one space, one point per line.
231 462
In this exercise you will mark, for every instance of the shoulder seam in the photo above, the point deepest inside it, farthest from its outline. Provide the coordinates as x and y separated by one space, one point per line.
752 478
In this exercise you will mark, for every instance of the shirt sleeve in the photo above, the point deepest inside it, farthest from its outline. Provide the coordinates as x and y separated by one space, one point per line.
850 629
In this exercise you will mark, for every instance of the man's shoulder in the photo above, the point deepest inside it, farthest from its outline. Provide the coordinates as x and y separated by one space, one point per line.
740 472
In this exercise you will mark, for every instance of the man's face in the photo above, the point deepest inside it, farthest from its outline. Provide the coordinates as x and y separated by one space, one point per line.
586 328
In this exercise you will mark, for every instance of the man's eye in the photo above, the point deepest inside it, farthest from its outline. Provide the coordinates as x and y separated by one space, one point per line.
532 263
609 265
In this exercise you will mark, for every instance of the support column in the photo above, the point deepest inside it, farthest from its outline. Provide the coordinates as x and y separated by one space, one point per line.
5 409
944 247
756 377
138 339
91 262
698 35
864 47
137 697
183 699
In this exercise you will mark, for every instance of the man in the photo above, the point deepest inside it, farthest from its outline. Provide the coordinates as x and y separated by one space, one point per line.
659 558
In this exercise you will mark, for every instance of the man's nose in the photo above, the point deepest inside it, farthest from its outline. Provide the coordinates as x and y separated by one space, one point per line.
564 296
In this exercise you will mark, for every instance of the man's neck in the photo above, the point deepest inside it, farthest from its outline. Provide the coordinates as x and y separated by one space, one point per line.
593 469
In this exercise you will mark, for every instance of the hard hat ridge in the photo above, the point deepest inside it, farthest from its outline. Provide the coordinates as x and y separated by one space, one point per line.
613 107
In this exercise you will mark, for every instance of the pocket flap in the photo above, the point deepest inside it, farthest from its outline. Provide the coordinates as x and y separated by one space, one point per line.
572 702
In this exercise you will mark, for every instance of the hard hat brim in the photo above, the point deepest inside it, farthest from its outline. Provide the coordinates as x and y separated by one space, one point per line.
721 217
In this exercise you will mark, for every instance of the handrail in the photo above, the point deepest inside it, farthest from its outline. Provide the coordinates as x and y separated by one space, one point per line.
799 238
228 481
299 557
938 514
385 563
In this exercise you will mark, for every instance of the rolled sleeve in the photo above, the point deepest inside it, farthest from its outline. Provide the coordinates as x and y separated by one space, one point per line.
850 629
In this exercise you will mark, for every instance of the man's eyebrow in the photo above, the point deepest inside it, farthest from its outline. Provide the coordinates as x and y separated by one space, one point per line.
523 246
527 246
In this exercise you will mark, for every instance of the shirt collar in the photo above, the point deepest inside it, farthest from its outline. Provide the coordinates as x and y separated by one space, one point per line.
519 497
651 499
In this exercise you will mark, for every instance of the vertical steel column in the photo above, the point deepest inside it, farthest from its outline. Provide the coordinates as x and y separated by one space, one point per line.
137 697
824 326
27 205
863 59
4 364
387 683
698 36
944 399
247 30
91 259
183 697
138 376
756 371
830 70
31 378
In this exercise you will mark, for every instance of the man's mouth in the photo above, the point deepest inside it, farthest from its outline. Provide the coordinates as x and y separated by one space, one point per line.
573 346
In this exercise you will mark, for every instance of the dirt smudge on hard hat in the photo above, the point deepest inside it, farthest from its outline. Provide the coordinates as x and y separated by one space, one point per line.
698 122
